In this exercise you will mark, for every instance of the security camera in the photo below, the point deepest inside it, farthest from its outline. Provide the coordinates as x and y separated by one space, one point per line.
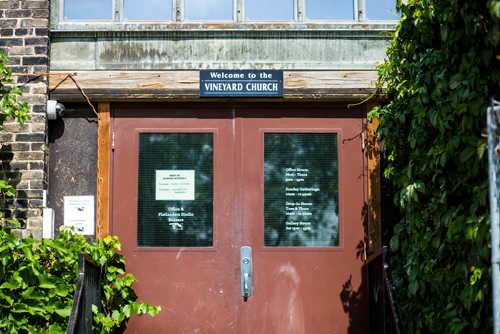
54 109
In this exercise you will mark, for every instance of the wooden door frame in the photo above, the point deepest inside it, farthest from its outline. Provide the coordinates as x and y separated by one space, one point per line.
105 146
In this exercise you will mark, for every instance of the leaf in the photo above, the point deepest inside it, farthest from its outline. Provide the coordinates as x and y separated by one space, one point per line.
47 281
62 290
13 283
64 311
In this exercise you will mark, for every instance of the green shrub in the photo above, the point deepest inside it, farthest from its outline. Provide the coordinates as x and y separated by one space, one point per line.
443 68
38 279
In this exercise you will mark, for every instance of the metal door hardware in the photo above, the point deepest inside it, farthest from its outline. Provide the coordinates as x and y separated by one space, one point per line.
246 271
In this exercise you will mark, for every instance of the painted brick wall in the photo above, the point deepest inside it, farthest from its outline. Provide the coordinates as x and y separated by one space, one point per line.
24 36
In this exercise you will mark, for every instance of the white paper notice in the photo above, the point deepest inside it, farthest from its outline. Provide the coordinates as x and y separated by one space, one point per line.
79 213
175 185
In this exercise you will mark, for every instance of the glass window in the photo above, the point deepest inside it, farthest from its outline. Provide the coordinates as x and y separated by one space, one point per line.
175 190
208 10
88 10
301 193
381 10
330 10
267 10
148 10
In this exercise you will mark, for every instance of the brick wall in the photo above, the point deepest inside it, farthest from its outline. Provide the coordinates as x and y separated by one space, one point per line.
24 36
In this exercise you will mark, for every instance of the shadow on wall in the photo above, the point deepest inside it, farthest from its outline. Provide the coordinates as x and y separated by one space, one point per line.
354 299
10 171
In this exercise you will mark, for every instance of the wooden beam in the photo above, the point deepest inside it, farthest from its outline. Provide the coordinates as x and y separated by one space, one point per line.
374 195
142 85
103 163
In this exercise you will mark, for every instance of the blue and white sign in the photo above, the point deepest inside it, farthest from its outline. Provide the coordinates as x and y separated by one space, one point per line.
241 83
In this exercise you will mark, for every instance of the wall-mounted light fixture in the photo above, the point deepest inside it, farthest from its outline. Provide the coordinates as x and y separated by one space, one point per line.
54 109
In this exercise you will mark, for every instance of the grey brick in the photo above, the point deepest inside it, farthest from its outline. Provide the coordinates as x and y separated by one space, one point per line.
37 184
34 23
30 137
42 32
6 137
43 41
30 155
5 32
38 127
18 13
21 146
14 61
40 13
35 203
41 50
29 78
35 4
9 23
19 69
9 4
37 165
22 50
39 108
11 42
12 176
37 60
18 165
23 185
14 127
21 31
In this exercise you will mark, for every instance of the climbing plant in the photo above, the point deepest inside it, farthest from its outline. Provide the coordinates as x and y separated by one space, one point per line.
442 69
38 277
38 280
10 108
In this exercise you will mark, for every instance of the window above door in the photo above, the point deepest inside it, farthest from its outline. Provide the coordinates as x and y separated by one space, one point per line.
95 12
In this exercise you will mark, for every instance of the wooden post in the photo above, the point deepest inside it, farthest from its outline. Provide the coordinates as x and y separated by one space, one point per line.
103 163
374 199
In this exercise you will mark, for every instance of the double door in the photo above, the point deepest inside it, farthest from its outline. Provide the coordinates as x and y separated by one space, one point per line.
242 219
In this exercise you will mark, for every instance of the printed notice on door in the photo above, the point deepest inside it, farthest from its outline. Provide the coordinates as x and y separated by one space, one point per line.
175 185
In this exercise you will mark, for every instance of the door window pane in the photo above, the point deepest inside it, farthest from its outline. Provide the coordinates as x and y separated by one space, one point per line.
266 10
208 10
148 10
381 10
88 10
330 10
301 193
175 197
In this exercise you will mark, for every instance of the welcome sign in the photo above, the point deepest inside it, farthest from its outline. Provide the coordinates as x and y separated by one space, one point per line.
241 83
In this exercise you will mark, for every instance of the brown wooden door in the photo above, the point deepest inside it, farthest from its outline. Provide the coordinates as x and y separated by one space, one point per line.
191 186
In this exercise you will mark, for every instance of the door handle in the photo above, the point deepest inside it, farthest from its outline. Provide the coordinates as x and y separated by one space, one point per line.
246 272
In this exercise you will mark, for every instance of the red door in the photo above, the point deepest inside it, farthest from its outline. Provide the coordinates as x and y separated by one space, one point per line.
242 219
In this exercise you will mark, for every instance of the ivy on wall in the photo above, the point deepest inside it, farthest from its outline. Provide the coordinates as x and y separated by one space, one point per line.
442 69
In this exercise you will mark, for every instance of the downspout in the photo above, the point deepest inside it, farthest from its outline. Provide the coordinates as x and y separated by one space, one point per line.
494 186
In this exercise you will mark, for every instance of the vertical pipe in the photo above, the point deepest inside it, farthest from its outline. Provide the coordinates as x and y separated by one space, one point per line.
494 186
118 11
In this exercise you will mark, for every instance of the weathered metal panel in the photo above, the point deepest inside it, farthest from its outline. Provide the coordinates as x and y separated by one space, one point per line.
294 49
79 53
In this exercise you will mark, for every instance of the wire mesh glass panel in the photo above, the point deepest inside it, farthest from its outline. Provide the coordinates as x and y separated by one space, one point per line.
175 190
301 192
149 10
88 10
208 10
265 10
330 10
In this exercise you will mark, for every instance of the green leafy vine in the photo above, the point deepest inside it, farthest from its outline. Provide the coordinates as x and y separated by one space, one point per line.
443 67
